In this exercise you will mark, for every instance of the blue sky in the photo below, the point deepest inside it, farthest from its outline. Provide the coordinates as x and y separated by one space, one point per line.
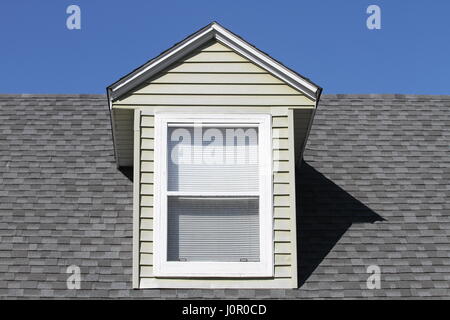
327 41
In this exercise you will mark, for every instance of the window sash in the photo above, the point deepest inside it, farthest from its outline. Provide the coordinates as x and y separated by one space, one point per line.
222 230
208 158
165 268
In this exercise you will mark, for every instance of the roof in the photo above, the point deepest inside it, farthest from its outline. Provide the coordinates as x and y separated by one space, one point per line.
373 189
213 31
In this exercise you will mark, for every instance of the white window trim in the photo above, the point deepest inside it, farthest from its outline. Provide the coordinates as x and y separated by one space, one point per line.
180 269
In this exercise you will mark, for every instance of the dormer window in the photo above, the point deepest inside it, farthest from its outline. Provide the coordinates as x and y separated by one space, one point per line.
213 195
213 128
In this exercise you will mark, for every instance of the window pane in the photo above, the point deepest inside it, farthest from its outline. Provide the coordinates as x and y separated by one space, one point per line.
212 159
213 229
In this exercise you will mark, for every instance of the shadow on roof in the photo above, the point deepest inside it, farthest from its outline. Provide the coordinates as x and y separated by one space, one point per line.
324 213
127 172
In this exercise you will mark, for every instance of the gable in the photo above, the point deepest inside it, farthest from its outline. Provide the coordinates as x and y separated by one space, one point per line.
215 69
211 32
215 75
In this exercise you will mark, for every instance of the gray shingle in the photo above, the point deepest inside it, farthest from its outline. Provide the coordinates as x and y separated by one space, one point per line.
373 190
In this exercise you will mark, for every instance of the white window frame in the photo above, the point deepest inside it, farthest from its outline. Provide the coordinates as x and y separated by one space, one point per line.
177 269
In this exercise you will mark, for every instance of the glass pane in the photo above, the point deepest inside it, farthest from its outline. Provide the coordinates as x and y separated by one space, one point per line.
213 229
212 159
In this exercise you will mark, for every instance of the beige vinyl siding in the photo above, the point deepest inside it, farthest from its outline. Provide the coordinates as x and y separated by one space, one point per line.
284 230
215 75
146 195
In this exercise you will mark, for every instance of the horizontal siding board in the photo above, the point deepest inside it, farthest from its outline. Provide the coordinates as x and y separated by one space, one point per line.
281 177
147 177
280 144
147 144
216 56
147 155
147 201
282 247
146 247
147 189
146 235
283 259
281 189
280 166
280 133
147 121
282 212
282 224
146 271
216 46
236 78
279 154
146 223
146 259
279 122
147 166
147 132
281 201
218 89
283 271
209 100
282 236
146 212
218 67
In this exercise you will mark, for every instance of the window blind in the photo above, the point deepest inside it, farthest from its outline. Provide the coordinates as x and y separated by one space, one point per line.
222 161
213 229
213 160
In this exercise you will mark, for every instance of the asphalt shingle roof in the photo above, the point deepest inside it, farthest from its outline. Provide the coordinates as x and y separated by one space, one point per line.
373 190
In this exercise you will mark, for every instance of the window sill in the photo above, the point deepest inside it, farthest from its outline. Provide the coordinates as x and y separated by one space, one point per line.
213 270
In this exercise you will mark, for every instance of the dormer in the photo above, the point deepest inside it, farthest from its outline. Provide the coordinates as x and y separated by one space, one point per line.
213 128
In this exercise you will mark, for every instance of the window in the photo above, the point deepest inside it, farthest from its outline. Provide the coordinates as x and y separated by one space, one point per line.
213 196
